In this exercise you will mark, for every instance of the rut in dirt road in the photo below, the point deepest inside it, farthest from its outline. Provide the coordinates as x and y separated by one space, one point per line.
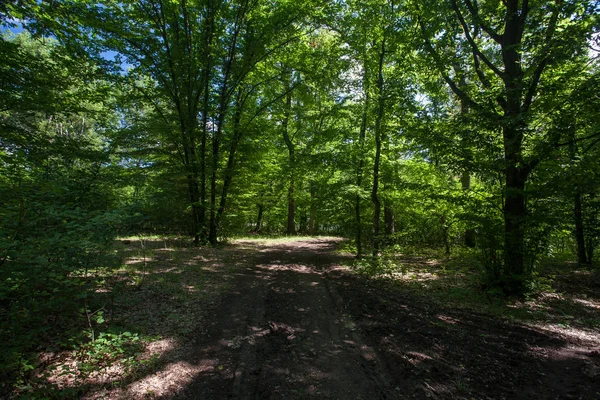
281 335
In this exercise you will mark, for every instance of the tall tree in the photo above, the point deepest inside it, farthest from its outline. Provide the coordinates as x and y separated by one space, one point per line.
513 47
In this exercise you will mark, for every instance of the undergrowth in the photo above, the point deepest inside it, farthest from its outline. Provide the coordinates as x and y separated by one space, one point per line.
460 281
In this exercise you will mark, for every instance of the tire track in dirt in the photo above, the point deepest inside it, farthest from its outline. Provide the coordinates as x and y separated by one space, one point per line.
281 335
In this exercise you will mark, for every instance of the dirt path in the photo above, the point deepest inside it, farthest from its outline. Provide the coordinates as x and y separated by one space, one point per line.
281 335
294 326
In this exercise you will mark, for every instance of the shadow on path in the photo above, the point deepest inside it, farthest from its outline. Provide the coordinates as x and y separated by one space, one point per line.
293 326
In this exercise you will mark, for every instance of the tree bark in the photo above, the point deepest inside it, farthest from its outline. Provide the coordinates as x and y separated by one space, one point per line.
579 233
465 178
514 229
203 140
291 224
590 250
259 217
313 209
216 140
390 223
229 169
361 161
378 128
208 43
465 181
516 173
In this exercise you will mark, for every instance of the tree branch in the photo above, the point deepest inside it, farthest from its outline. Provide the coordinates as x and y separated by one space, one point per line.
535 80
474 10
453 86
593 135
472 43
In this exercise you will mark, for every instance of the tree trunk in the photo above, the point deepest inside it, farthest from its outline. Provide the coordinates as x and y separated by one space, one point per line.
515 172
291 225
390 223
312 216
208 40
465 181
203 140
590 250
189 161
359 170
229 169
216 146
303 225
378 123
194 199
259 217
465 178
445 235
216 140
579 233
514 230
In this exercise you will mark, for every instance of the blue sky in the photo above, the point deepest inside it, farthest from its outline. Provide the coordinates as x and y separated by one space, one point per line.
16 26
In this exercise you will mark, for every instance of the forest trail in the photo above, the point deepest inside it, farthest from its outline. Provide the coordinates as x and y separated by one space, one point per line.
281 334
294 323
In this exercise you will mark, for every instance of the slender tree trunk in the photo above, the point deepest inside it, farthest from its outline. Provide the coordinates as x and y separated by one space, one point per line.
465 178
203 141
378 123
189 160
590 250
388 217
465 181
313 209
224 98
445 237
194 199
291 225
259 217
216 140
229 169
361 161
208 40
216 144
578 209
579 233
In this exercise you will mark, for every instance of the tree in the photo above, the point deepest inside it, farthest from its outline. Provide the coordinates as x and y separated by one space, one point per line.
56 215
514 49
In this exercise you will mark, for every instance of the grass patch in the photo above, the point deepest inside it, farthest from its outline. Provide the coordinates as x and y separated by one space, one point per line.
561 293
162 290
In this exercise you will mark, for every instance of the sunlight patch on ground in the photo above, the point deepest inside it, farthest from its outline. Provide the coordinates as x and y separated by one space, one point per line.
415 276
172 379
447 319
588 303
587 337
285 239
137 260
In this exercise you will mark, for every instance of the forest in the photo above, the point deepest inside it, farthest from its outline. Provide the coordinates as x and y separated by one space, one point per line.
169 169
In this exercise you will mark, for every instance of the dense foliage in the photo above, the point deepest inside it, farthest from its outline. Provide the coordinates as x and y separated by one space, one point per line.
397 124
